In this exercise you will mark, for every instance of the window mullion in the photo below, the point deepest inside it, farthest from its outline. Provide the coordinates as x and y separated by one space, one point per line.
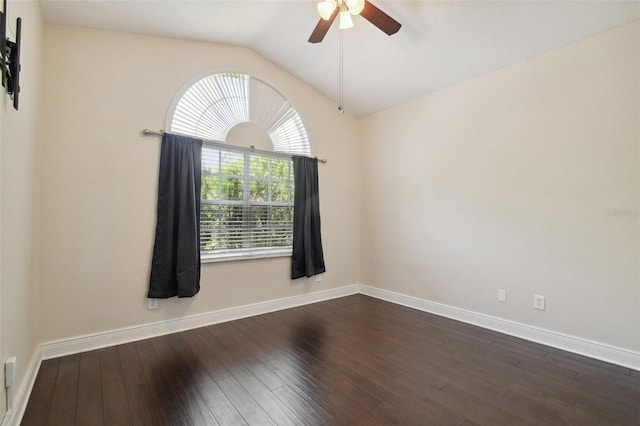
246 209
219 177
270 200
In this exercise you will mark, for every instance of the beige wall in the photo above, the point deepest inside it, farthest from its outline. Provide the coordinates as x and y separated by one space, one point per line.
99 181
508 181
19 192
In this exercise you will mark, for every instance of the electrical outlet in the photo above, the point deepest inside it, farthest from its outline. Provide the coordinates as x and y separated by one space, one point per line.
538 302
319 278
502 296
153 304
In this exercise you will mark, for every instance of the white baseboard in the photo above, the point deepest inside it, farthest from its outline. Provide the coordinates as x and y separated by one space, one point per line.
619 356
104 339
19 400
614 355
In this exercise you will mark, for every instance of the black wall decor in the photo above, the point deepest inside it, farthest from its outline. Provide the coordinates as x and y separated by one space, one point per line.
10 57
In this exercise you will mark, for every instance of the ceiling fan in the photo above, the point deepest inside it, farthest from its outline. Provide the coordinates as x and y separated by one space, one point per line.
329 9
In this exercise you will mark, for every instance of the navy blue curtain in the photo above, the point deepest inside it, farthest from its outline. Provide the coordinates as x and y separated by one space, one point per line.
175 268
307 259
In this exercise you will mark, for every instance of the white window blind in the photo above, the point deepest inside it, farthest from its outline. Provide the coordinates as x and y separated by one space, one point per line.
247 205
216 103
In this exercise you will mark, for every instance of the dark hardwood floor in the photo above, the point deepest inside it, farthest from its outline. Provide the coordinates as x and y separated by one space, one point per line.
349 361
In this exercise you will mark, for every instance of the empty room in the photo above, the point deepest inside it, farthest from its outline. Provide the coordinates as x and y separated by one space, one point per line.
336 212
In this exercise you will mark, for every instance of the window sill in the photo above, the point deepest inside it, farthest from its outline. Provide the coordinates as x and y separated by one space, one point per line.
232 257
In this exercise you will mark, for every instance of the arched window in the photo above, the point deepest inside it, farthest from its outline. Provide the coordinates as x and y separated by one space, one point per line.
247 197
212 106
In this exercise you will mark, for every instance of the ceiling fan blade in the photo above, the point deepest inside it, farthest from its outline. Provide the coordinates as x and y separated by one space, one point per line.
322 28
380 19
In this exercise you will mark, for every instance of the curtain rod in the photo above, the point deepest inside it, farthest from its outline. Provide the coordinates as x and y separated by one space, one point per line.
251 149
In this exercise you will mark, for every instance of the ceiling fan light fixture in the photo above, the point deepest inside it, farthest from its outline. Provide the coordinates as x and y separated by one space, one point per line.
345 20
355 6
326 8
366 9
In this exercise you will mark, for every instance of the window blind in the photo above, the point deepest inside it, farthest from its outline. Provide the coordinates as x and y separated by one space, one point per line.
216 103
247 204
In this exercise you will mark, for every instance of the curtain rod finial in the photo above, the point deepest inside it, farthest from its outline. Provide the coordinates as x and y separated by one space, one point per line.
147 132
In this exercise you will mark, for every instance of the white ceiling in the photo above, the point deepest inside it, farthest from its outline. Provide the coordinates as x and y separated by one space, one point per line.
441 43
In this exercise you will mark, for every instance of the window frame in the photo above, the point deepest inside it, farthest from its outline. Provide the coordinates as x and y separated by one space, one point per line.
286 126
246 203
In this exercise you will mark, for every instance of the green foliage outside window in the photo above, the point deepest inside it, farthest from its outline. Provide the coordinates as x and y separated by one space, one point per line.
247 202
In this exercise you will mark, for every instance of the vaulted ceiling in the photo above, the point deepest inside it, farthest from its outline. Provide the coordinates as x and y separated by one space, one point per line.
441 43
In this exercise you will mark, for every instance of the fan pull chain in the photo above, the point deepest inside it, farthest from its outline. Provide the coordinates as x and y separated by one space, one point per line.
341 83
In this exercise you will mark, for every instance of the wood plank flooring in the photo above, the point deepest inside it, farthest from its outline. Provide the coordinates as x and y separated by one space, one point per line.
349 361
